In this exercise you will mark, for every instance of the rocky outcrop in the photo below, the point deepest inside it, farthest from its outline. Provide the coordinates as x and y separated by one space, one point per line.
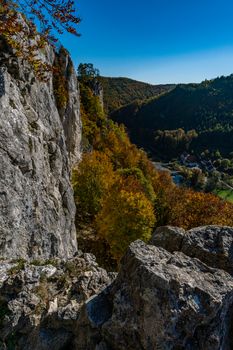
98 90
160 299
70 113
41 301
165 300
212 245
37 148
168 237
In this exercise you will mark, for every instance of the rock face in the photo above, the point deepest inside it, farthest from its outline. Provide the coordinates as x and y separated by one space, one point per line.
213 245
40 302
37 149
169 238
164 300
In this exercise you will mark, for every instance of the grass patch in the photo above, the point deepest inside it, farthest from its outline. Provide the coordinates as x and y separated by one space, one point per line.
225 194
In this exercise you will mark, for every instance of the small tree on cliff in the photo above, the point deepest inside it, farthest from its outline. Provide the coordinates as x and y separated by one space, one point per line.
86 71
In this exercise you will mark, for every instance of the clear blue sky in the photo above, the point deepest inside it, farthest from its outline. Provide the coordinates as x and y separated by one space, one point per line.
158 41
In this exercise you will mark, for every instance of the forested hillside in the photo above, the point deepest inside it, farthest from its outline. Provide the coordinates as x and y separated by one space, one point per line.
119 194
206 108
121 91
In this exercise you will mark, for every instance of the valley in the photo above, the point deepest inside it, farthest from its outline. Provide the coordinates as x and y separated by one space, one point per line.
190 128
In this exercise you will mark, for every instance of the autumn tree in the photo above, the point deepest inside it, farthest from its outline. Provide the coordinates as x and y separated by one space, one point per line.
126 215
22 20
136 178
92 180
115 142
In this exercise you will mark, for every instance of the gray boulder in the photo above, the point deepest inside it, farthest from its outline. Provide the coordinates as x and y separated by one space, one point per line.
168 237
161 301
40 302
213 245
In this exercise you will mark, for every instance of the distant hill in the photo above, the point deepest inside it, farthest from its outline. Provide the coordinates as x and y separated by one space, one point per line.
205 107
121 91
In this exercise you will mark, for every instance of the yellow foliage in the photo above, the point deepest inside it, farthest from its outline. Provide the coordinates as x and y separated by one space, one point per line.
115 142
91 181
126 215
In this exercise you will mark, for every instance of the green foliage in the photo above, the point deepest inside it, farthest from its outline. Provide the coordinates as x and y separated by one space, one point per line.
20 263
206 108
86 72
174 142
225 194
121 91
51 261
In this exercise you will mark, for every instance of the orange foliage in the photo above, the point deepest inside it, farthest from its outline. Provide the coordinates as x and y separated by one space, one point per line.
18 20
190 209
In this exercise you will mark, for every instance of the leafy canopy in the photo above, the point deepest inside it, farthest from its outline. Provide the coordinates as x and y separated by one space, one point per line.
205 108
126 215
92 179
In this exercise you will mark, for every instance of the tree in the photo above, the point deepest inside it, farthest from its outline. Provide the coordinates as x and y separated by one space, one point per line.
126 215
92 180
22 20
190 209
225 163
87 71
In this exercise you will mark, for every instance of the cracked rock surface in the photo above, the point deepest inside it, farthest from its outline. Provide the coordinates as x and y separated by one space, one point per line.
163 300
40 302
37 150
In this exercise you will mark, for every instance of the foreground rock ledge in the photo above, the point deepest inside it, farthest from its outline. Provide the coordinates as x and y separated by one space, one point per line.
162 301
213 245
159 300
40 301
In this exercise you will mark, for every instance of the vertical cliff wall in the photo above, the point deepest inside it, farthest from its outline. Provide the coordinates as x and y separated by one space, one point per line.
38 145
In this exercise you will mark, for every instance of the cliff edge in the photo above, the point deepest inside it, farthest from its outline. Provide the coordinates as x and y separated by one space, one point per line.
37 149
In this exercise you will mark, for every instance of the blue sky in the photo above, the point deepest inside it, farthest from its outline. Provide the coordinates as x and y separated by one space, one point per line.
158 41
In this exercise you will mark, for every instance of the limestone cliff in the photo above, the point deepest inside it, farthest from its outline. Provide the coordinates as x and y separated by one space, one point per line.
37 147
